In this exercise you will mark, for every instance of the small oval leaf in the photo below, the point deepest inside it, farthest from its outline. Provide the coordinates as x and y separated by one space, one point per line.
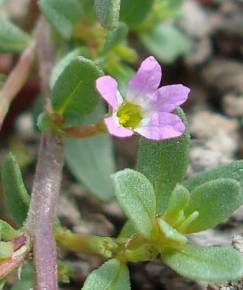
107 12
215 201
12 38
233 170
16 195
166 42
210 264
91 160
164 163
112 275
136 197
74 93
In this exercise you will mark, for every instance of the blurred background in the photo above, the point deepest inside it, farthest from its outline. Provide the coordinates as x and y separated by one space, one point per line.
199 43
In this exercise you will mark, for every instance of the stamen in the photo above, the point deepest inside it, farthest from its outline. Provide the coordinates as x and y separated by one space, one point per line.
129 115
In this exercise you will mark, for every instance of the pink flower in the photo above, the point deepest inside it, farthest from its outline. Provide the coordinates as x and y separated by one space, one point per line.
146 109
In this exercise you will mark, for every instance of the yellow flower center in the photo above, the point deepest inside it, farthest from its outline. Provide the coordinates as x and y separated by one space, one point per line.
129 115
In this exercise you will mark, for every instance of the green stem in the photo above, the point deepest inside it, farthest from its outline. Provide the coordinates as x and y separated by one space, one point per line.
93 245
134 249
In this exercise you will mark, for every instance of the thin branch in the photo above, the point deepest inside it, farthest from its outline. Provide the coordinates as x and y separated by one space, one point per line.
16 80
47 178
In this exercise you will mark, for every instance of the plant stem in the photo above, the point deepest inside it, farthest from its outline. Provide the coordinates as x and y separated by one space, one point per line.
93 245
85 131
16 80
47 180
42 211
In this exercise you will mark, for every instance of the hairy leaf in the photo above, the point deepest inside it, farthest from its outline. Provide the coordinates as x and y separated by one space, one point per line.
178 200
107 12
164 163
215 201
112 275
210 264
136 197
233 170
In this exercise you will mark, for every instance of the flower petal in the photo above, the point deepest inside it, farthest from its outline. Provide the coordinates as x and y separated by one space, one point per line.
160 126
146 80
114 128
167 98
107 87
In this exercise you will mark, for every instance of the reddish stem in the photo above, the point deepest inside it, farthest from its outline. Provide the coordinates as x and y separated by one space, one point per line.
47 180
42 211
84 131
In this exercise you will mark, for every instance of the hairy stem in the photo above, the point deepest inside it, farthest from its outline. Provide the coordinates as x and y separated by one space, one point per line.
16 80
47 178
42 211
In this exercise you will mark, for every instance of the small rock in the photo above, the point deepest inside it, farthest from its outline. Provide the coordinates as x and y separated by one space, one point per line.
224 76
233 105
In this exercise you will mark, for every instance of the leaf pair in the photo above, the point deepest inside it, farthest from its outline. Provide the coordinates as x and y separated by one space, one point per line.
214 200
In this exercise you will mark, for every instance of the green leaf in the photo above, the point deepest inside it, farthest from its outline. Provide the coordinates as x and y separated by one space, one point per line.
62 14
171 237
215 201
165 42
164 163
2 283
91 159
136 197
17 197
233 170
169 9
12 38
62 64
178 201
26 279
127 230
210 264
114 37
112 275
7 233
107 12
74 93
134 12
6 250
